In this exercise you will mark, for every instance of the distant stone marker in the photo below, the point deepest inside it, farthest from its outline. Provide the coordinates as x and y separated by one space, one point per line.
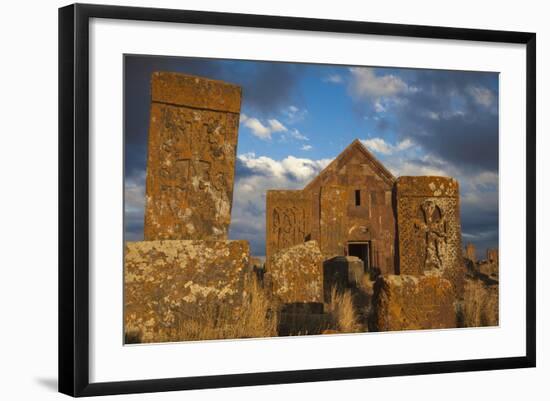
471 252
191 157
405 302
428 217
296 274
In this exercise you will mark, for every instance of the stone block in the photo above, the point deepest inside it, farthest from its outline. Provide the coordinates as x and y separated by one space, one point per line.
429 232
191 157
296 275
166 282
405 302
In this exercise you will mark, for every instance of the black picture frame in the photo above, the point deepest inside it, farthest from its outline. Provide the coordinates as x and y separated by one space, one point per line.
74 198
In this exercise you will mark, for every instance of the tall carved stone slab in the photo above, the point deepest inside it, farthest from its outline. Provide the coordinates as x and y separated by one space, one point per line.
333 220
287 219
428 220
191 157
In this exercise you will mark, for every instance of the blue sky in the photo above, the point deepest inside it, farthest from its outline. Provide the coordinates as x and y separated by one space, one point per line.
295 118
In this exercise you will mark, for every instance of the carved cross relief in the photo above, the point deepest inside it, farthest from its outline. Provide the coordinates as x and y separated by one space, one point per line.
188 147
431 233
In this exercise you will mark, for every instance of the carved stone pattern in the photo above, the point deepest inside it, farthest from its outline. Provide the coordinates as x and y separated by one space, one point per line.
190 173
429 234
288 220
289 226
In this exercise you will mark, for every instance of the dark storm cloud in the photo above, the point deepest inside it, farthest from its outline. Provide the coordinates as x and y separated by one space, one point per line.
453 115
266 86
446 117
138 70
271 85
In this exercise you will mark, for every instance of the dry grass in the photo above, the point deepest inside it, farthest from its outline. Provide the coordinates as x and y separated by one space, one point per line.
342 311
219 321
480 304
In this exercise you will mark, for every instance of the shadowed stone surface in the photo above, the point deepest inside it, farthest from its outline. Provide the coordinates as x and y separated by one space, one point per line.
428 217
341 272
191 157
167 281
407 302
296 275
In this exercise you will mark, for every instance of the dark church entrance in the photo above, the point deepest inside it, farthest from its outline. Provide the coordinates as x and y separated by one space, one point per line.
362 251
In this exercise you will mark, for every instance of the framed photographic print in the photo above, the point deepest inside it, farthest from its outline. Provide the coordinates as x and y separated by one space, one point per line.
249 199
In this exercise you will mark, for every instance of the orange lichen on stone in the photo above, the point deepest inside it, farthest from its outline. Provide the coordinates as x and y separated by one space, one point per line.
191 157
197 92
168 281
407 302
296 274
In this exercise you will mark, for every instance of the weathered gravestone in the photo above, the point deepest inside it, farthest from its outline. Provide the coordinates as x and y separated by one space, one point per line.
408 302
295 274
428 221
191 157
169 283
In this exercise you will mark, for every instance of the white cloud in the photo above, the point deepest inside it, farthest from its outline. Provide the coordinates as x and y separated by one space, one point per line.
294 114
276 125
485 179
263 173
379 145
298 135
481 95
333 79
134 206
404 144
365 83
307 147
379 107
261 130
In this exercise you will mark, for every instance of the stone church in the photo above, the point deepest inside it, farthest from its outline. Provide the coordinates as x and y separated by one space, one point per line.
349 209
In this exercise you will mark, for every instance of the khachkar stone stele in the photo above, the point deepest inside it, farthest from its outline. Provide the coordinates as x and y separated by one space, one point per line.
191 157
428 216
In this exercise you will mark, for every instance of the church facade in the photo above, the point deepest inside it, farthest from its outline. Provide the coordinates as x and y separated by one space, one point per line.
349 209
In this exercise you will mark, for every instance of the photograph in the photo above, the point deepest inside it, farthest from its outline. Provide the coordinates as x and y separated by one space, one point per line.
268 198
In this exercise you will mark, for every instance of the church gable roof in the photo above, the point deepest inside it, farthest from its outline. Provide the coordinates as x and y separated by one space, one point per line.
346 154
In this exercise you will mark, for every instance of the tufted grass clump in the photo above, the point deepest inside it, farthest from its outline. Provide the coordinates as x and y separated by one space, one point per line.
342 311
480 307
217 320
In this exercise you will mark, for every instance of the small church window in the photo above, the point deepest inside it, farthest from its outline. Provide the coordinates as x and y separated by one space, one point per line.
357 197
